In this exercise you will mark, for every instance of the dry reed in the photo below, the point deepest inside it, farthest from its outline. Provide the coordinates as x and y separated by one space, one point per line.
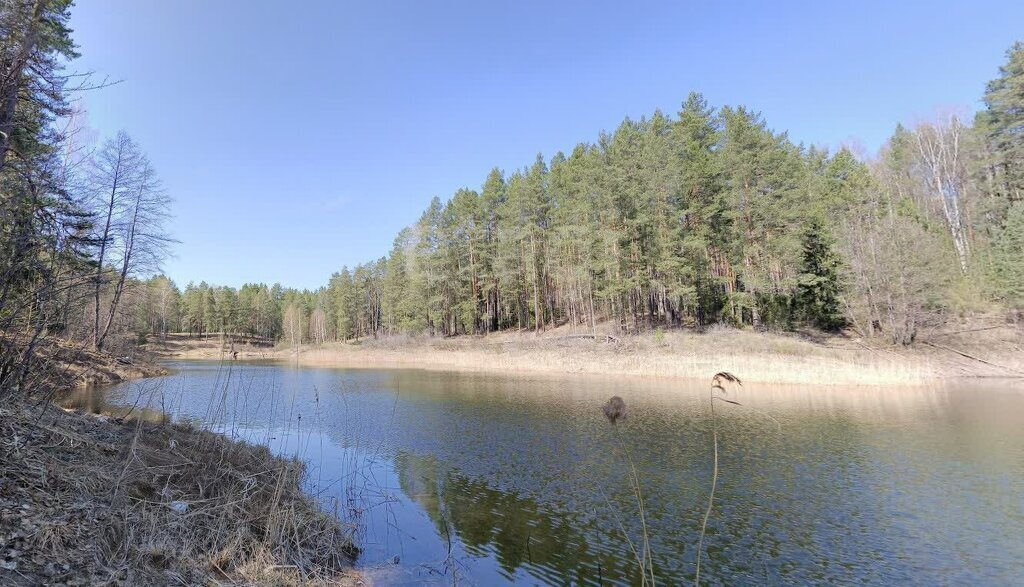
769 358
146 503
615 411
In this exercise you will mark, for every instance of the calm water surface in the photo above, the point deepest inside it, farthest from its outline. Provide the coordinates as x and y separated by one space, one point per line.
499 479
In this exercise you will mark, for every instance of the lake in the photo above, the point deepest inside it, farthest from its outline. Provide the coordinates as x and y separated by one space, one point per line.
501 479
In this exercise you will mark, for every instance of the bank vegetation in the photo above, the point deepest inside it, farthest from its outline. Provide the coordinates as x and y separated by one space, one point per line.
126 497
704 218
984 350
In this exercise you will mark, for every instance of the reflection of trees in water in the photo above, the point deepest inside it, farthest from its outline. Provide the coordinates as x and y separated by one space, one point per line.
519 532
770 524
93 399
851 487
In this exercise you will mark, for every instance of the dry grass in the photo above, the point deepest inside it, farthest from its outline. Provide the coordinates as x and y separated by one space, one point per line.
59 365
761 357
89 500
211 347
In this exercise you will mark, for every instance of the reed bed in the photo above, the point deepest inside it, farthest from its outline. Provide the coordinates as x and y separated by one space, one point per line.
768 358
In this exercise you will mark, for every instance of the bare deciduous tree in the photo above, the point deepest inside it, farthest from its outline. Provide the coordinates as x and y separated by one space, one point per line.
133 211
318 326
896 270
291 323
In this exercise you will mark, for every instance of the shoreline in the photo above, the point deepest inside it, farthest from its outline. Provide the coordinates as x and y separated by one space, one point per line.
159 502
753 356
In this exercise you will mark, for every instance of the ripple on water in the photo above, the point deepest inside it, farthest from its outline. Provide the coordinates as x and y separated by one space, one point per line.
525 476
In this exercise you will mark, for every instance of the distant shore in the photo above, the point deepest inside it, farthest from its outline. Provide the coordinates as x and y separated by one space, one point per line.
753 356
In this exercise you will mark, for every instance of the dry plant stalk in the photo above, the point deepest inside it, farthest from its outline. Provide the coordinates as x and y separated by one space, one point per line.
615 411
717 384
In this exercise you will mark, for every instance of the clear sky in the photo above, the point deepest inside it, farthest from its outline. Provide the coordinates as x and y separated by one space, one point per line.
298 137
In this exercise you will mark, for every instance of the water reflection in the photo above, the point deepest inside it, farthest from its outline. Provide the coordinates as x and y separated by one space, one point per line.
519 480
517 531
93 399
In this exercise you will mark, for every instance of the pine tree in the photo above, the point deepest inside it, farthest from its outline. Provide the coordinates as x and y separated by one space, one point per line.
396 303
816 298
492 199
36 44
709 217
341 297
704 272
1003 122
764 181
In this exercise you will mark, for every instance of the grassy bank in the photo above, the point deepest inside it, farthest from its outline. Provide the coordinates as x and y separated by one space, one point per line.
99 499
755 356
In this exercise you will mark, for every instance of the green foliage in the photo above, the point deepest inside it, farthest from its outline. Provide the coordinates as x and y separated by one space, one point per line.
708 217
1008 257
816 298
775 310
1003 123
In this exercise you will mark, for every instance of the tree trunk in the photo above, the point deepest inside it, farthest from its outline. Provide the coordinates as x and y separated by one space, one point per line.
13 79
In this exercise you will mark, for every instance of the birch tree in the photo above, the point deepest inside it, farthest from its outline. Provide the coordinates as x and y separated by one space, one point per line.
318 326
292 324
939 146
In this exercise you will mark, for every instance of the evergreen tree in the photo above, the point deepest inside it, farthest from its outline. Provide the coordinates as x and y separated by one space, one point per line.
396 310
709 217
492 199
36 43
1003 123
703 265
1008 258
816 298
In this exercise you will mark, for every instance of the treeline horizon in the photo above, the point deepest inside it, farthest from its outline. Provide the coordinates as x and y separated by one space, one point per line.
80 220
706 217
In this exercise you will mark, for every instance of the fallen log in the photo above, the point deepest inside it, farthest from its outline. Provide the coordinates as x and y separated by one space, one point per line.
972 357
605 337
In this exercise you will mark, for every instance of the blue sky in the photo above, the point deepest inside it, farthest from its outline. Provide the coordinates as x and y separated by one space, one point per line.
298 137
